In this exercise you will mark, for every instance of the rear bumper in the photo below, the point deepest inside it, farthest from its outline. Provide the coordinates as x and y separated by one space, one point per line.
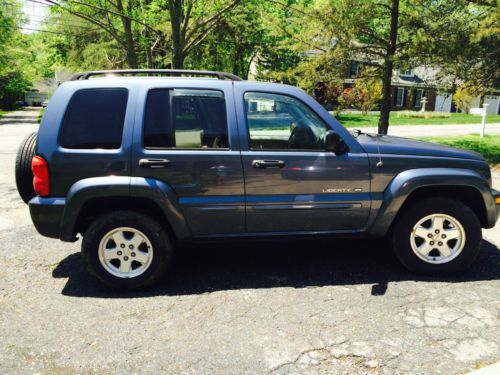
46 214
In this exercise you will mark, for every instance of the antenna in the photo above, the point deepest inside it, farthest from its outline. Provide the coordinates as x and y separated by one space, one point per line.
380 163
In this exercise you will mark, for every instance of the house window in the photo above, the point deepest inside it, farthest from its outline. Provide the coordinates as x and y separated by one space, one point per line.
417 99
406 72
354 69
399 99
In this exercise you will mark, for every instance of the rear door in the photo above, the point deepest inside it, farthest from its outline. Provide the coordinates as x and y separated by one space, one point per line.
186 136
292 184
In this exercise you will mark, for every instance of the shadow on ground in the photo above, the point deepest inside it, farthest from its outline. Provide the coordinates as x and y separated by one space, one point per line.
297 264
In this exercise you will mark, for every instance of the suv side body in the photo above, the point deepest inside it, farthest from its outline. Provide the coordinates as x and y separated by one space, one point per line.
224 192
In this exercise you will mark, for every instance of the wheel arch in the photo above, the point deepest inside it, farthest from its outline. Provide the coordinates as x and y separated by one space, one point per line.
410 186
95 196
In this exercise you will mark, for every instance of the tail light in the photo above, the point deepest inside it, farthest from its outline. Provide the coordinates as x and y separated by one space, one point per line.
41 181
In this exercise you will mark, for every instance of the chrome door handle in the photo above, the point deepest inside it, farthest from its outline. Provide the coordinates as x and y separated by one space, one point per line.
154 163
261 164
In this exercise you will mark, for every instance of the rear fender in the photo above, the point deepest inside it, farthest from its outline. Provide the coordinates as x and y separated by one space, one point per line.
121 186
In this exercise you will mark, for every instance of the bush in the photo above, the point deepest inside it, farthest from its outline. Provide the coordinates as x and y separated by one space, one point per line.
416 114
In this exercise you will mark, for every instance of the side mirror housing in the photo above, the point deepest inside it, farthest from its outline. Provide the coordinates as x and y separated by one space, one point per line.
334 143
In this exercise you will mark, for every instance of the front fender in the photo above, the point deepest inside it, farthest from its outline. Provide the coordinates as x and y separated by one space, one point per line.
121 186
408 181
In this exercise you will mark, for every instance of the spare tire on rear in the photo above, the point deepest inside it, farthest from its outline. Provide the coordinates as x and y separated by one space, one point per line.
24 175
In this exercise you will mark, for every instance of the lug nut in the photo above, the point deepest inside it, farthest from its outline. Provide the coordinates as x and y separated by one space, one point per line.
132 254
431 243
125 258
443 236
440 243
131 246
429 235
437 231
119 252
122 246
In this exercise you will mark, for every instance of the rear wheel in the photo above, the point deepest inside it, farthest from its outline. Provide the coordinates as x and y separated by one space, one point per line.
24 175
126 250
437 236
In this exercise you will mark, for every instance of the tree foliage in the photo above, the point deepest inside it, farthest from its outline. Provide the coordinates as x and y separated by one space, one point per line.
15 72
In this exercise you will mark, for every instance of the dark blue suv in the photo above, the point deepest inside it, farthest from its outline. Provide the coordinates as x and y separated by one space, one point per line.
137 161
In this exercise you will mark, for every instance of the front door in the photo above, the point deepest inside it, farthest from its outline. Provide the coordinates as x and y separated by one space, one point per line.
292 184
188 139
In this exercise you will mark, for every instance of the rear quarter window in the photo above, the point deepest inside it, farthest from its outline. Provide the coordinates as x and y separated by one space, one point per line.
94 119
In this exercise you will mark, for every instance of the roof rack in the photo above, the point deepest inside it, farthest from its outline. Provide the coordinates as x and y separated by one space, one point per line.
167 72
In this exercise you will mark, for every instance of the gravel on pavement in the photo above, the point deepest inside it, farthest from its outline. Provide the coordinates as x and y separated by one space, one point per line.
301 307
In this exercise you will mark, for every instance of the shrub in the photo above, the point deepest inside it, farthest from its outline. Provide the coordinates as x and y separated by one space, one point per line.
417 114
463 98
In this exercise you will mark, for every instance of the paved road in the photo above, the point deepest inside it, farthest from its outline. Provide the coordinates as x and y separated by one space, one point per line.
315 307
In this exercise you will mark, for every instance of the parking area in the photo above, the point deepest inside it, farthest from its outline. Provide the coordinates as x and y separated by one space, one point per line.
302 307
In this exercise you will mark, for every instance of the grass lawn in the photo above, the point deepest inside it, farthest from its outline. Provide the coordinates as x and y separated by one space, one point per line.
489 146
2 112
40 115
357 120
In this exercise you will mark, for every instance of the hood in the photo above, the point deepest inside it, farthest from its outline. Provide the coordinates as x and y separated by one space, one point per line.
405 146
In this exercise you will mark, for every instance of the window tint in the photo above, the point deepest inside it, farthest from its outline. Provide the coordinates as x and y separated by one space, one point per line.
278 122
184 118
94 119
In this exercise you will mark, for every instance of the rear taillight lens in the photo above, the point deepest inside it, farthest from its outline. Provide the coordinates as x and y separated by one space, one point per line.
41 182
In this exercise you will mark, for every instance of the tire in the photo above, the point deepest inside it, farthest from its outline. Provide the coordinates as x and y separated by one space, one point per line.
24 175
97 245
449 255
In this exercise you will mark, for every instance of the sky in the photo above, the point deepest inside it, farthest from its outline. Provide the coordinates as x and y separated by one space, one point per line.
35 12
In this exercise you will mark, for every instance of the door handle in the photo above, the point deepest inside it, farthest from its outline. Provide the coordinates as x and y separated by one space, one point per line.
154 163
261 164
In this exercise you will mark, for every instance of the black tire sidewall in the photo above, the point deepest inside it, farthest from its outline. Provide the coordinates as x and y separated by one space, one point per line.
162 248
23 172
404 225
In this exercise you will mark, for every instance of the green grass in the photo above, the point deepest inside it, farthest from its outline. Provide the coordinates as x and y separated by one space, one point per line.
357 120
489 146
40 115
2 112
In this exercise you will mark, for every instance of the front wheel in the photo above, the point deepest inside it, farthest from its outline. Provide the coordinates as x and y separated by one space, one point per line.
126 250
437 236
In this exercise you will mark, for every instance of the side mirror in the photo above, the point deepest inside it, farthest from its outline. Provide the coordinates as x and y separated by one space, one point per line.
334 143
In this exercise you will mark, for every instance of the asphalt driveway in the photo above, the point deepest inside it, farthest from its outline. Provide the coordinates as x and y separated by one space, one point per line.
308 307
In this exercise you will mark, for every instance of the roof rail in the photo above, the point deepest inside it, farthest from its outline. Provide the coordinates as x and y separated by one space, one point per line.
167 72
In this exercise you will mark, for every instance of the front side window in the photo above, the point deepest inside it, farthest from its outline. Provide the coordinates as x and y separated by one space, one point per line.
280 122
185 118
94 119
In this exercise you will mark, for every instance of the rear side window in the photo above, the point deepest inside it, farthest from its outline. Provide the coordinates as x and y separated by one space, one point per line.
94 119
185 118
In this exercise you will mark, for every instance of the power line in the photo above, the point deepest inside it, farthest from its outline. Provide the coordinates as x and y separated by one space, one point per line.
50 32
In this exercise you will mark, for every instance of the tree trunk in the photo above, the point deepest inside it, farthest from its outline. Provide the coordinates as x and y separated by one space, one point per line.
385 110
177 60
176 18
129 38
